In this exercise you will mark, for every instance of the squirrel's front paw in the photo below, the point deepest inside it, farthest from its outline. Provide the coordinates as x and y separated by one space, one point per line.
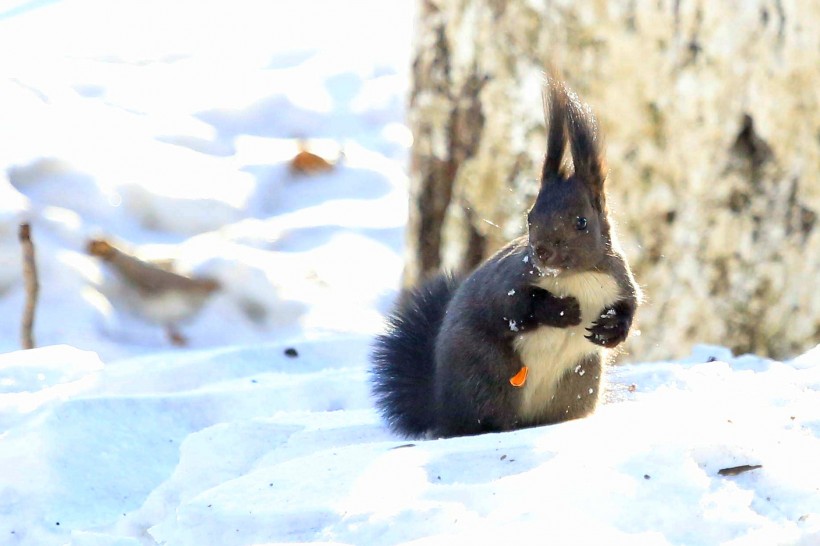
613 325
551 310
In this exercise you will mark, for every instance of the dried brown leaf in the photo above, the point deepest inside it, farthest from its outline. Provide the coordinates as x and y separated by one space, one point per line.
306 162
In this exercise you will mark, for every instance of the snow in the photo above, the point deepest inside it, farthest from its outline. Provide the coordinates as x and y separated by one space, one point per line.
168 127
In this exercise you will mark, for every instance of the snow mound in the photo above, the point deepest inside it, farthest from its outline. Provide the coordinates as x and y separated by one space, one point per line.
279 443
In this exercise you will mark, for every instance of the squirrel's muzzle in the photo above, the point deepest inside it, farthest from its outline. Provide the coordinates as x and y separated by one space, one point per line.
549 258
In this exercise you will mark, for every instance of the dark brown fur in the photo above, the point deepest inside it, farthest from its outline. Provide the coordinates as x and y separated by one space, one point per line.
522 307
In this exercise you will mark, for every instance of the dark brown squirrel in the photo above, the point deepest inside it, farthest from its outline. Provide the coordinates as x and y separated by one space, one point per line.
523 339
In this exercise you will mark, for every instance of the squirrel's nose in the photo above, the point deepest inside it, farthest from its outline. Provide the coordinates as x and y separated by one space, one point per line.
544 252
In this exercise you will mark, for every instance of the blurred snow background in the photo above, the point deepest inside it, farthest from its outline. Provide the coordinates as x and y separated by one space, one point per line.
169 128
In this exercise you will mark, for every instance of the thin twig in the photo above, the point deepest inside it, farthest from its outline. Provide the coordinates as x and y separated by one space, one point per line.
32 286
735 470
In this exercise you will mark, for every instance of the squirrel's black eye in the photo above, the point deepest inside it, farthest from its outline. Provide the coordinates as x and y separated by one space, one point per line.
580 223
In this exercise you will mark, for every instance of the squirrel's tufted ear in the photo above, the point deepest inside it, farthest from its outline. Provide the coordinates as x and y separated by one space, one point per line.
555 112
585 143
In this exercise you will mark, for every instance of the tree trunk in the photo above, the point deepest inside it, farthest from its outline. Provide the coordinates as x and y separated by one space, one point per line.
711 118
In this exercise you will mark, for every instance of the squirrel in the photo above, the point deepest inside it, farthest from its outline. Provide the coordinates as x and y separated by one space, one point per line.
523 339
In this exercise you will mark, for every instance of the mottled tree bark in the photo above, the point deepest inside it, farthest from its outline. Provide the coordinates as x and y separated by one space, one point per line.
711 115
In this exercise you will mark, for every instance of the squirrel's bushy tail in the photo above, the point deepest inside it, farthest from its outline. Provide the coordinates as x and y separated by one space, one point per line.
404 357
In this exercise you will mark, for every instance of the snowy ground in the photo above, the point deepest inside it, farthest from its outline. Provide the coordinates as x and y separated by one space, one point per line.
169 126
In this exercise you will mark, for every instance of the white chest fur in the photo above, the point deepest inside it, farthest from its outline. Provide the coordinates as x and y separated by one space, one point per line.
549 352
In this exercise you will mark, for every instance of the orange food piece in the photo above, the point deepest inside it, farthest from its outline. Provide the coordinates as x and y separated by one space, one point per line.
518 379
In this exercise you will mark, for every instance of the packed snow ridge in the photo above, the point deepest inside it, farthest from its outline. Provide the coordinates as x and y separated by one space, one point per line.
250 445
